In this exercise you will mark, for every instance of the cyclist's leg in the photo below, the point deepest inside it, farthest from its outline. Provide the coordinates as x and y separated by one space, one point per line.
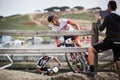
42 70
77 41
73 57
86 57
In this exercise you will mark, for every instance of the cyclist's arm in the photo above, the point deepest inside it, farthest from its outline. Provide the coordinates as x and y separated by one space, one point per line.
73 24
56 37
56 60
57 40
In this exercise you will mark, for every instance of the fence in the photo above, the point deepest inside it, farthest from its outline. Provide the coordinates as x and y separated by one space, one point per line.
31 33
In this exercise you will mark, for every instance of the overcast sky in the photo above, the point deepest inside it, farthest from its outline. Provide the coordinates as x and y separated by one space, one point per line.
12 7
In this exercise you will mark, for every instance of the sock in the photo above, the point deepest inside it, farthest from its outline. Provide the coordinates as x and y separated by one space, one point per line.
92 68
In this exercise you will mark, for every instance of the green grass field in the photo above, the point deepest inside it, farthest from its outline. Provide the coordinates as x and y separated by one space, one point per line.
23 22
83 16
20 23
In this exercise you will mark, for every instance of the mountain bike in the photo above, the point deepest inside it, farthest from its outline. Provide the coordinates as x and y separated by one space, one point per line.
52 71
81 58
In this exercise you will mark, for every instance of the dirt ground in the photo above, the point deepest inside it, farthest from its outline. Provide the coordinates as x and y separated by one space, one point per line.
20 75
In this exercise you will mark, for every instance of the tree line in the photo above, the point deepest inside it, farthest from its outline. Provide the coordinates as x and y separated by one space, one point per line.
63 8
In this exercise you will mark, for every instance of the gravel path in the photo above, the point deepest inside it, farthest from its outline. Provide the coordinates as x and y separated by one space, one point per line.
20 75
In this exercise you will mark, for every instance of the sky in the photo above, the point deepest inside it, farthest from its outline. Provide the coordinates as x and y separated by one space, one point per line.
12 7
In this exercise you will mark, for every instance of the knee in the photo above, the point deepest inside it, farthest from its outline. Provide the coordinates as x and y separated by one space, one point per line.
91 50
78 43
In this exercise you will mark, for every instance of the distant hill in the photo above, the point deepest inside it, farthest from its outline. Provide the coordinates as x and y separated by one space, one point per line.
20 22
38 21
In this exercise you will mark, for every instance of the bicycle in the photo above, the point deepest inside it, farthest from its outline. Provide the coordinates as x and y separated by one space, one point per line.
52 71
81 64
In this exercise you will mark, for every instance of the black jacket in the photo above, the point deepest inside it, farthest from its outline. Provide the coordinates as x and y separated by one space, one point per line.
112 25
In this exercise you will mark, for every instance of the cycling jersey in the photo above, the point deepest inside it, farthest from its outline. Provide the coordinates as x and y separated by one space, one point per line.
63 25
42 62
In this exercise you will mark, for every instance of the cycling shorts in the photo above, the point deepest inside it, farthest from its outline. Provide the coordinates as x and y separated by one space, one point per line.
73 38
106 45
44 69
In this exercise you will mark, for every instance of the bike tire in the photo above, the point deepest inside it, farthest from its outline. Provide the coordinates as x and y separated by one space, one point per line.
82 64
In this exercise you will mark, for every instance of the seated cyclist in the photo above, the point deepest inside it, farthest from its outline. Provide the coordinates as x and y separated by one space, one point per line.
41 65
64 24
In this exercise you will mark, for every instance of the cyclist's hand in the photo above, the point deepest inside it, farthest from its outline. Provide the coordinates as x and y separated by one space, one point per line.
59 64
58 45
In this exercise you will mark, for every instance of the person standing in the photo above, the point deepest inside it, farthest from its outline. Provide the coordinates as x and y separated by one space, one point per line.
112 39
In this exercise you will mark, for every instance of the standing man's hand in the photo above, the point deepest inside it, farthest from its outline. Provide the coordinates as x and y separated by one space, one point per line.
99 21
99 18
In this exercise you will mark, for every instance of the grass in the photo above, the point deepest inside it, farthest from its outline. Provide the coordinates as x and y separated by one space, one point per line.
23 22
81 16
20 23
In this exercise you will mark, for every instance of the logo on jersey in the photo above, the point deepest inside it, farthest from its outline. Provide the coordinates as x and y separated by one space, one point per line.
66 27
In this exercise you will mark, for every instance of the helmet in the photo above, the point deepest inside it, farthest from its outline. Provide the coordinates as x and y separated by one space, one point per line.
51 17
45 57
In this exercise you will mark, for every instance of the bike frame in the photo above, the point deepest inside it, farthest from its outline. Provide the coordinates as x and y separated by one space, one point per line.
80 57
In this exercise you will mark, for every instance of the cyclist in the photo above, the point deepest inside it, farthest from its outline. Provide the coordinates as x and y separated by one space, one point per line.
64 24
41 65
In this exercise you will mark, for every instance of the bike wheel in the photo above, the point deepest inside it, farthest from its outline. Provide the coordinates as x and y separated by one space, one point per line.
81 62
